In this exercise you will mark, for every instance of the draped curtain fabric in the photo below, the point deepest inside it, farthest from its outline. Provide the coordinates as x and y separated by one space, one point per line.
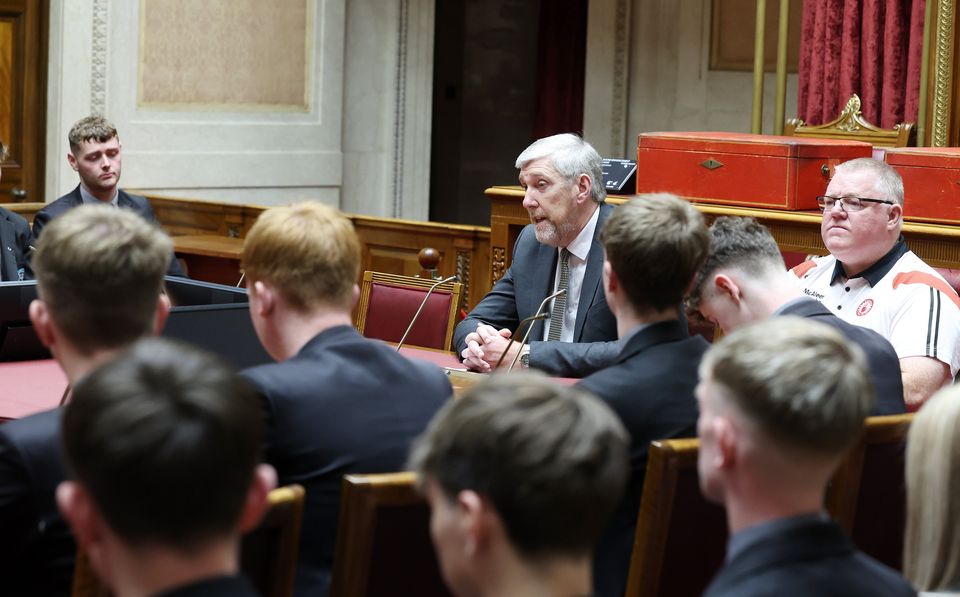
869 47
561 62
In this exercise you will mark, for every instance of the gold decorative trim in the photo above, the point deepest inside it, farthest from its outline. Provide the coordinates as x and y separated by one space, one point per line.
943 74
498 266
463 272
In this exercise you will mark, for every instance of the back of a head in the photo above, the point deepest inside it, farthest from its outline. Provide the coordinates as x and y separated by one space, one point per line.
802 387
100 270
737 243
91 128
553 460
308 251
886 180
571 157
655 244
931 551
165 439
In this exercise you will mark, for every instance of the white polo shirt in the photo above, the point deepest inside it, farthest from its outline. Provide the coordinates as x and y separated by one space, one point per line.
902 298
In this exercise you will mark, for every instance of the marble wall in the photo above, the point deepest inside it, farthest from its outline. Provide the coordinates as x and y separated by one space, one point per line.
250 101
647 70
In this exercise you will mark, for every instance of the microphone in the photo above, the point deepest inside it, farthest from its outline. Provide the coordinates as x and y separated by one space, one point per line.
423 303
539 314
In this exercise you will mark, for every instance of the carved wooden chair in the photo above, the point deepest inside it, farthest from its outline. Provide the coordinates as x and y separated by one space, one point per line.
681 538
851 126
388 303
268 555
383 540
867 494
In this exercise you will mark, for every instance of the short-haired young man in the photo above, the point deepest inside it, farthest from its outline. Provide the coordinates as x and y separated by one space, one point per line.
562 178
163 444
99 279
872 279
781 403
654 245
95 154
15 241
745 280
336 402
521 475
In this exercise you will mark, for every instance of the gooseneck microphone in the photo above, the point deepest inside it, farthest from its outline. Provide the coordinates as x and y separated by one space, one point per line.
423 303
539 314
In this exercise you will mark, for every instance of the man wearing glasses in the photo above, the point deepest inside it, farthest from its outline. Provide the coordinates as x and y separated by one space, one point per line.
873 280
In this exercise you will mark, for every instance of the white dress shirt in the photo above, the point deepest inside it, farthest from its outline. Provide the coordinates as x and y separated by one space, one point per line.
576 267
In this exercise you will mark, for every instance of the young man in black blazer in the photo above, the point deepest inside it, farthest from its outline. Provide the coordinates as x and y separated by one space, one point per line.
654 245
96 155
163 446
15 239
336 403
781 402
99 282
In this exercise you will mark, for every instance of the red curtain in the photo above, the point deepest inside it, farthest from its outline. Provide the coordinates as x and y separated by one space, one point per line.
561 62
869 47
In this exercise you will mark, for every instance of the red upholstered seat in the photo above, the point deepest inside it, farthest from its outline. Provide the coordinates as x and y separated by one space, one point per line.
388 303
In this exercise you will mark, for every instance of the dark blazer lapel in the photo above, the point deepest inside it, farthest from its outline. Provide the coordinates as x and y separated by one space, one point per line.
75 197
8 262
592 275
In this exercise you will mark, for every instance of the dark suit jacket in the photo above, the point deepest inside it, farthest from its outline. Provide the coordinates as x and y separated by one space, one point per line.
523 287
15 242
36 548
344 404
881 357
125 200
650 386
224 586
813 559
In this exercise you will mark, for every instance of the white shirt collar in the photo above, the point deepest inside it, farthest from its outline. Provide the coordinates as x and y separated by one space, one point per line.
580 247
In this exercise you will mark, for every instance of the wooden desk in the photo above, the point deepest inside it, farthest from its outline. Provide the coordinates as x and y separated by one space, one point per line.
210 258
795 231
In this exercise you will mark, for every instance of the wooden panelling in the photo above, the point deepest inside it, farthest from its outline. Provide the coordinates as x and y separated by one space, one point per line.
389 245
794 231
23 97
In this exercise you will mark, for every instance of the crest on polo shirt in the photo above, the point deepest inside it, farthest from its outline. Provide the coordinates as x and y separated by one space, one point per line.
865 307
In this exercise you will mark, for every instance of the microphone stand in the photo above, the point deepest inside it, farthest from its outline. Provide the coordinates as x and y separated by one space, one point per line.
423 303
539 314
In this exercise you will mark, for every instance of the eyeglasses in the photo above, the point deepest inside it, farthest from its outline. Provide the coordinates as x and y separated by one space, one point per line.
847 204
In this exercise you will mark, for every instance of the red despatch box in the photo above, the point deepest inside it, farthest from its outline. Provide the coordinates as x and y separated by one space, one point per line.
742 169
931 182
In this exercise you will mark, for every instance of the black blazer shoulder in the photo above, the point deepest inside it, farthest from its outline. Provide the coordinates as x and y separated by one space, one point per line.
125 200
882 359
37 551
16 243
814 559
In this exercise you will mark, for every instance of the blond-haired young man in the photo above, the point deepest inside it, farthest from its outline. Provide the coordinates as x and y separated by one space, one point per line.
99 279
336 402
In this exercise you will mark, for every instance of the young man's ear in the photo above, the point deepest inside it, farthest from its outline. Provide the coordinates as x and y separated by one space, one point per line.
72 160
43 324
160 317
726 285
88 527
263 296
264 481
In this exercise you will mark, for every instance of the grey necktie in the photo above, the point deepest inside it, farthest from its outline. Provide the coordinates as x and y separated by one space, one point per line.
560 303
